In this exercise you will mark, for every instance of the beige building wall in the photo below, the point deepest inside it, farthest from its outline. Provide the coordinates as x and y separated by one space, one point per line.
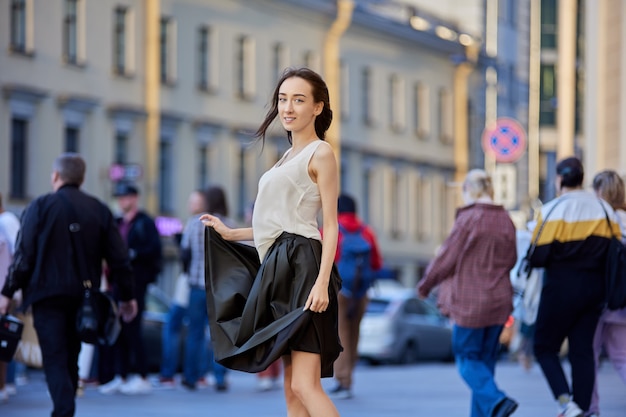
407 197
605 93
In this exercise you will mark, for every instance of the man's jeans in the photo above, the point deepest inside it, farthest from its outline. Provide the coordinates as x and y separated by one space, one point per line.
170 353
198 356
476 352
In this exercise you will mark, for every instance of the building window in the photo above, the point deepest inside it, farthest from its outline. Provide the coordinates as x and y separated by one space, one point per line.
421 110
246 68
19 147
70 31
18 25
203 57
425 202
203 166
366 103
280 60
547 95
167 44
367 193
166 174
549 22
345 89
312 60
121 148
397 108
72 139
119 42
446 122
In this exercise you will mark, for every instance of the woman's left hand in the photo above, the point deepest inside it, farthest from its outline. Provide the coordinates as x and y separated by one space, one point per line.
318 298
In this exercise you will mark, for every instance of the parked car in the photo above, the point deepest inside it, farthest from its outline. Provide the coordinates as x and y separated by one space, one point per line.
398 327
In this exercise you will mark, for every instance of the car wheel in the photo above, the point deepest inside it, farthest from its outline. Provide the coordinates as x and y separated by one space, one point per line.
408 354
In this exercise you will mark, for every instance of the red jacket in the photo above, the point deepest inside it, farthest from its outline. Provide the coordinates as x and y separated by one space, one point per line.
351 222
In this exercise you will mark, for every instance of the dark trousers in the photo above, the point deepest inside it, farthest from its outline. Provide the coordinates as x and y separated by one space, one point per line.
127 354
55 323
569 308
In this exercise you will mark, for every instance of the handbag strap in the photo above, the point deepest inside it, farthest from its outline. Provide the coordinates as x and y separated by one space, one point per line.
606 216
533 245
74 229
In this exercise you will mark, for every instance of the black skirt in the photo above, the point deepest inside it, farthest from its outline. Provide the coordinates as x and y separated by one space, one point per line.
256 310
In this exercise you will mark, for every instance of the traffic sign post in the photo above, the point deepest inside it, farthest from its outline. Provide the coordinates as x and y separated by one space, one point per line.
505 140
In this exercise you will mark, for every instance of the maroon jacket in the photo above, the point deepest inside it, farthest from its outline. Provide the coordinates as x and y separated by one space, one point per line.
477 256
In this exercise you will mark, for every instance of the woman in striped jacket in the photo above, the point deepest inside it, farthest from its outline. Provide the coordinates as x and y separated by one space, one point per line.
572 247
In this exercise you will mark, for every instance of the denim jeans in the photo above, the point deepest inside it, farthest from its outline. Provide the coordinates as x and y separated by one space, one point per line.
170 353
476 352
197 352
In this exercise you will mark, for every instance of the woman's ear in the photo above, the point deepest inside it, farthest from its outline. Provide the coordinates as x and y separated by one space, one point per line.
318 108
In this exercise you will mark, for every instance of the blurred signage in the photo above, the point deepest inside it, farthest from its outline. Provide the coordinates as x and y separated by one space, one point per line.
125 172
504 140
168 226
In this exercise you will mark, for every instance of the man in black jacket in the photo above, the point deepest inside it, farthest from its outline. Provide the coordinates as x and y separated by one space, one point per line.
142 239
45 269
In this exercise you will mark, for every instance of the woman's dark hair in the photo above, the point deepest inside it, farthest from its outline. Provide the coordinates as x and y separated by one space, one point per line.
216 200
571 172
320 94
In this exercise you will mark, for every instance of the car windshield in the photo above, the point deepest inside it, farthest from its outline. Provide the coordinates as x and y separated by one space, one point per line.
377 306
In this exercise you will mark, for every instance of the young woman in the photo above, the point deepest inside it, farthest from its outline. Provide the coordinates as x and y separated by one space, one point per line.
611 330
286 306
572 248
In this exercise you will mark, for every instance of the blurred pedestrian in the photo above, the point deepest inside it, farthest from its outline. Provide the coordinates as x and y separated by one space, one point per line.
213 201
477 257
611 330
9 227
44 270
291 309
268 379
358 258
572 248
143 243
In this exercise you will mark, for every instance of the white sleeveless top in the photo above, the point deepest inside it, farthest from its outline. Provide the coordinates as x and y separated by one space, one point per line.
287 201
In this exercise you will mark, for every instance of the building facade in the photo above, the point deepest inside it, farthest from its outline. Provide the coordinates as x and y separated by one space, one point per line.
167 93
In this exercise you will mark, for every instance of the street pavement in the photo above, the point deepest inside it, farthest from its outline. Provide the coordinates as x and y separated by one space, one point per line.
426 389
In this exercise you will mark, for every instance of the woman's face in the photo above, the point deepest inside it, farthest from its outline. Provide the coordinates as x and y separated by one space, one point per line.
296 106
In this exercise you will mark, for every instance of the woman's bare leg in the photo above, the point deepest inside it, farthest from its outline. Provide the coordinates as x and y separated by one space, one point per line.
306 386
295 408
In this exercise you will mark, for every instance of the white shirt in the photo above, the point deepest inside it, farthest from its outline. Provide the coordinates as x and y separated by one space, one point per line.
287 201
9 227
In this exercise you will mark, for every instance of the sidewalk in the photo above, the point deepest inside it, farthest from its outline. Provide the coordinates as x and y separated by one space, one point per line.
430 389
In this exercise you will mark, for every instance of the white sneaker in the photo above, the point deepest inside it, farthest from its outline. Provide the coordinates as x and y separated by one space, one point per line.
136 386
265 384
571 410
4 396
112 386
10 389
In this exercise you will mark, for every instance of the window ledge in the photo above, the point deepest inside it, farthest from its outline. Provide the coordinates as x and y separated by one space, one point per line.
19 51
129 75
168 83
421 134
78 64
207 89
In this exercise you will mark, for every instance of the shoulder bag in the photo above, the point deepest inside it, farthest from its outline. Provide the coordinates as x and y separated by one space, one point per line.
615 275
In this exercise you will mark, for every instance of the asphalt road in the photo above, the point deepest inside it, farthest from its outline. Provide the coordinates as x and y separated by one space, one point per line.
428 389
